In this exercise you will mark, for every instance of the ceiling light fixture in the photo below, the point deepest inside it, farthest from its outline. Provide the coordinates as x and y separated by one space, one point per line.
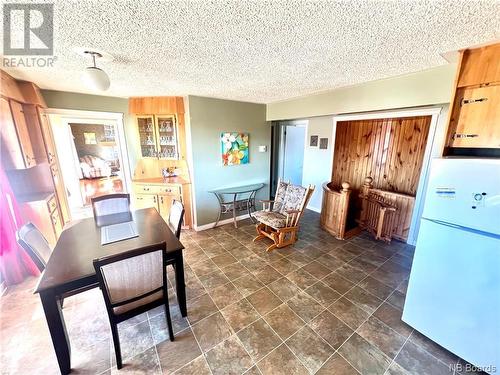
93 77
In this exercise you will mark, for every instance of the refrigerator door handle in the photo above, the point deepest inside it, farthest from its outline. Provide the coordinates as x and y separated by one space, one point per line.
480 232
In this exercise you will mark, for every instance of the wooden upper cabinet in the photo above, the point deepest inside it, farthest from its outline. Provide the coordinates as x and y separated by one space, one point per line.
480 66
17 151
474 121
50 147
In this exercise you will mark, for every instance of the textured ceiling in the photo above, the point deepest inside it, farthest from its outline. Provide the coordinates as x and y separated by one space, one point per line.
259 51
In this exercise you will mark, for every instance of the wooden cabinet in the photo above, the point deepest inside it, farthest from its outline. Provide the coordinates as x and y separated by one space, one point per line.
474 122
17 151
41 209
158 136
145 201
157 195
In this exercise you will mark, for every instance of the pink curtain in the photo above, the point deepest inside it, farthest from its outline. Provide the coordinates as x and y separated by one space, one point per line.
15 264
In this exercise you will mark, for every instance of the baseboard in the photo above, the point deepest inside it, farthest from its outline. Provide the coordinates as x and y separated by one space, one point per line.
199 228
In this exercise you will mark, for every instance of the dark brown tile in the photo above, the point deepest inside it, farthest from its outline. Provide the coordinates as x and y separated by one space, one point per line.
304 306
175 354
338 283
337 365
363 299
203 267
159 329
211 331
247 284
301 278
392 317
135 339
416 360
258 339
284 288
433 348
391 274
215 250
194 288
281 361
353 248
349 313
342 254
240 252
200 307
284 266
317 269
310 348
224 260
322 293
397 299
240 314
225 295
145 362
331 329
229 357
363 356
330 262
351 273
253 263
213 280
299 259
235 271
267 275
284 321
198 366
383 337
375 287
264 300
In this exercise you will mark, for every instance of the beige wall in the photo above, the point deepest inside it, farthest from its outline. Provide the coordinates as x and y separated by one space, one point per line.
433 86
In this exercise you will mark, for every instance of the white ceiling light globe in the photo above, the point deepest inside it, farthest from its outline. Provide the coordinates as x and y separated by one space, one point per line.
95 79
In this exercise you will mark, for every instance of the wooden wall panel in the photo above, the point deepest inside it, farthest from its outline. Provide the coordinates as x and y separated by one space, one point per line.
390 151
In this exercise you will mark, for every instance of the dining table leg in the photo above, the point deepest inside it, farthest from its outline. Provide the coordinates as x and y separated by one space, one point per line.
53 313
180 284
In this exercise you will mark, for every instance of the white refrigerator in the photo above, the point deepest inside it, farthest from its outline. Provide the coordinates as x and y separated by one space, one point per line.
453 294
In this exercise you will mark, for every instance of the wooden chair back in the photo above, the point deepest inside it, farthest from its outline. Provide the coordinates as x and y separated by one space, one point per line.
35 244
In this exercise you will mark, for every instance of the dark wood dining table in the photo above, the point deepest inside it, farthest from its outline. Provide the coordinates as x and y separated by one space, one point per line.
70 268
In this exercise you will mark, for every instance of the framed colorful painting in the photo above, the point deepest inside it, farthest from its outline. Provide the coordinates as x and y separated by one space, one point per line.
234 148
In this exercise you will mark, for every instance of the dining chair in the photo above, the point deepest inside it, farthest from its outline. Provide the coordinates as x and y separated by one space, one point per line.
35 244
175 217
132 283
111 204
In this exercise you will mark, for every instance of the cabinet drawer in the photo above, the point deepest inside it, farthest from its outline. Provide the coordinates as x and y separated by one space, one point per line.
157 189
56 223
52 204
145 201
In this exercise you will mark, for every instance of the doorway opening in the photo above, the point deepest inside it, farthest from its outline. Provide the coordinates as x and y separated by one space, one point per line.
288 152
93 156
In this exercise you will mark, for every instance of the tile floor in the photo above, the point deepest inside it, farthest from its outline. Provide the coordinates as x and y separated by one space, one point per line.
323 306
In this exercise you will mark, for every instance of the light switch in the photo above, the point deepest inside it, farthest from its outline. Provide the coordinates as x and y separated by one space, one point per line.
262 148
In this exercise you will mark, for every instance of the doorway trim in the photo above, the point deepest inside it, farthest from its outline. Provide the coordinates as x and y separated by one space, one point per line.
435 113
73 115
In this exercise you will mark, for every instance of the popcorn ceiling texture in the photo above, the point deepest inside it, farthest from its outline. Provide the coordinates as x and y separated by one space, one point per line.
258 51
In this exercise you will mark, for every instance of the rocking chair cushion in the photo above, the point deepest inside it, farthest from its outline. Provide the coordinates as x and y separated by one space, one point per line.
271 218
280 196
294 197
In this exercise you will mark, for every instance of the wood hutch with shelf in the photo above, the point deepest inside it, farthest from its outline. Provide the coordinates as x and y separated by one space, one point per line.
159 123
29 157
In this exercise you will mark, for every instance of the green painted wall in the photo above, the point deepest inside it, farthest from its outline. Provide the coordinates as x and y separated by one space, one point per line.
85 102
423 88
207 119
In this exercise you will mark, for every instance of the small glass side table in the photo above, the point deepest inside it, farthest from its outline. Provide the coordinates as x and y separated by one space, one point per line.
237 198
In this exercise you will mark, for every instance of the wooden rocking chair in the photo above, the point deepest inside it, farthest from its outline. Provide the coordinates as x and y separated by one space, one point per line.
279 219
